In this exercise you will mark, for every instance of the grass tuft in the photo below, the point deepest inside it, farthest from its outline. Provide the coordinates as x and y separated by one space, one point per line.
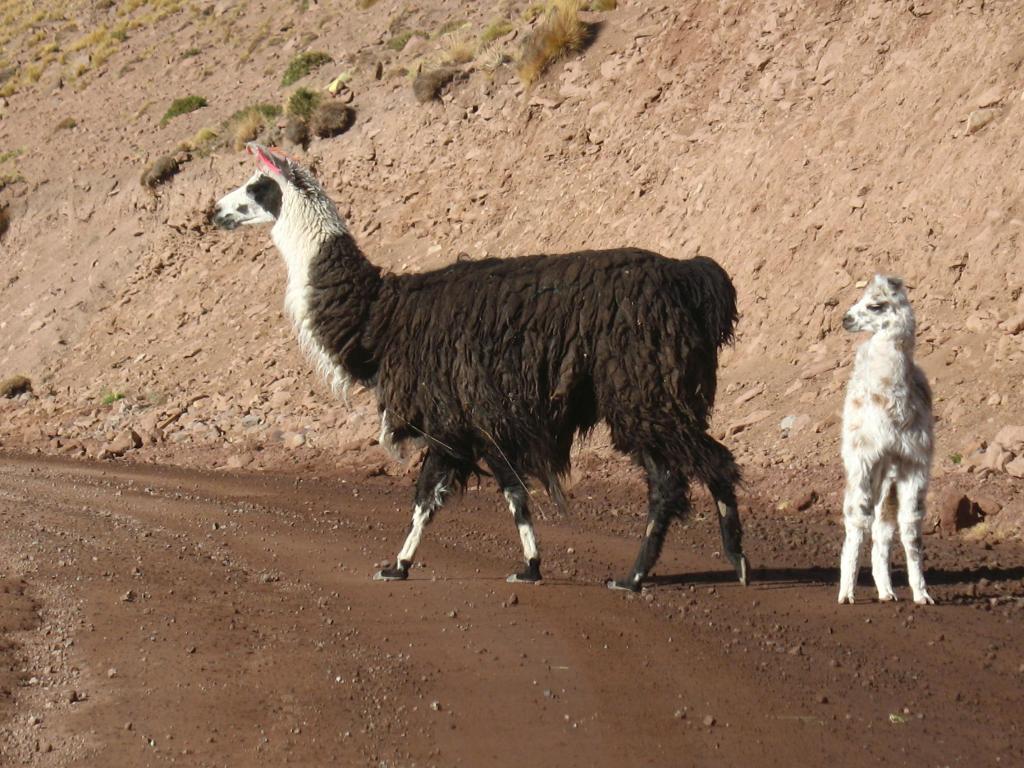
182 106
159 172
459 48
202 143
111 397
494 30
250 123
297 131
302 103
559 33
303 64
430 82
331 119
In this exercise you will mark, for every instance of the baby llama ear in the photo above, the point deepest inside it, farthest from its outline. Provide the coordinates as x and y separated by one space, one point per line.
895 283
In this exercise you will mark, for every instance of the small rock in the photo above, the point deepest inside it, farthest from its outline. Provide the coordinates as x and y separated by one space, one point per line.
1014 325
513 599
709 721
1011 439
979 118
746 422
128 597
436 706
112 672
957 512
126 440
803 501
990 97
1015 468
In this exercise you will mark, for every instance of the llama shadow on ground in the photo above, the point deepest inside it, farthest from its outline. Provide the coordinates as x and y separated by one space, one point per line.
788 578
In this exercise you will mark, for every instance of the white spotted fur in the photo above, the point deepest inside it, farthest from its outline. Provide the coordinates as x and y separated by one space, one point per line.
887 441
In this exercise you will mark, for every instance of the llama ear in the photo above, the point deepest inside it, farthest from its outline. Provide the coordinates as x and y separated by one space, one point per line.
267 160
895 283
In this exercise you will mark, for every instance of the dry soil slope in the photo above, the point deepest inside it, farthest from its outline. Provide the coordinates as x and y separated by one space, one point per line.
804 145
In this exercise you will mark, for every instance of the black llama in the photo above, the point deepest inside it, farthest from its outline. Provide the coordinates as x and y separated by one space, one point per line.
507 361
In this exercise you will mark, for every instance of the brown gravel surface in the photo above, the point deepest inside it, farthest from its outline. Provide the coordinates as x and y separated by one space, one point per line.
151 616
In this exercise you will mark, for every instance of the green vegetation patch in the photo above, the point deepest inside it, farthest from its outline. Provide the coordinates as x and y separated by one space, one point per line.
302 103
303 64
182 106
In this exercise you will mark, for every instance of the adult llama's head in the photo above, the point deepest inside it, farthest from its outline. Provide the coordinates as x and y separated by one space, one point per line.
884 308
280 192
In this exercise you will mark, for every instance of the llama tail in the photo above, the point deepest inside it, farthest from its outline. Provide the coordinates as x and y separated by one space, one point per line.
714 297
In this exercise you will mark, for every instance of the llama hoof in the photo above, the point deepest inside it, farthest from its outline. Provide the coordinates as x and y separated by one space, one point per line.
846 598
391 574
924 599
623 586
530 576
886 598
523 578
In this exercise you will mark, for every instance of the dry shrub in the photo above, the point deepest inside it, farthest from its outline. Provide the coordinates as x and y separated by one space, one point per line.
202 143
159 171
248 128
15 385
429 83
331 119
559 33
296 131
458 48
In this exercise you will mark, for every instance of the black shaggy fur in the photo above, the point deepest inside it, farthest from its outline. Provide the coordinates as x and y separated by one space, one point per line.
507 361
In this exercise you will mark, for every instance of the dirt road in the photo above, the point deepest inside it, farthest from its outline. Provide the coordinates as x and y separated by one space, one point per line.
151 616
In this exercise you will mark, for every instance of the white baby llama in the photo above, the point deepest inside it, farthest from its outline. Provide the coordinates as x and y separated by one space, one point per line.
887 440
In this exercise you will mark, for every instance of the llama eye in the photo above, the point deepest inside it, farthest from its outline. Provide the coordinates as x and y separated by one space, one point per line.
876 307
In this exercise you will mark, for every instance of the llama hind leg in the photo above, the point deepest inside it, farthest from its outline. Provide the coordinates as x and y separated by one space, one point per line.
883 528
434 483
910 491
667 497
732 531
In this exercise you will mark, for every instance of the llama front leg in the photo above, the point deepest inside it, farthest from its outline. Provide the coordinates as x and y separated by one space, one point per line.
857 520
910 492
883 528
666 494
433 484
518 504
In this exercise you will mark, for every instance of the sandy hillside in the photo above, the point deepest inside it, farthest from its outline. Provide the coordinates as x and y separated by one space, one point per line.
803 145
